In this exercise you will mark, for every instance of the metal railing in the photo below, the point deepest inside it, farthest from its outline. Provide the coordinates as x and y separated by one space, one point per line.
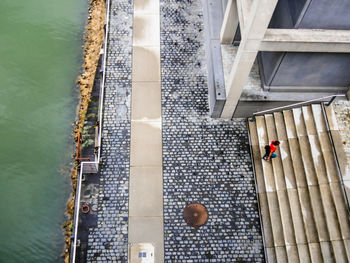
335 156
91 165
332 98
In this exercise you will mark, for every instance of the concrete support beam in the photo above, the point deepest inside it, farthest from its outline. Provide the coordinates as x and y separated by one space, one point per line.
257 23
243 9
230 23
305 40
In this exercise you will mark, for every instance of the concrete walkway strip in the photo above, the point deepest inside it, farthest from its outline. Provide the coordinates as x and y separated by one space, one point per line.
146 178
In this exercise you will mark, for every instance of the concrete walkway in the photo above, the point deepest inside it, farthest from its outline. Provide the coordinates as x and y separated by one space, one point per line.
146 181
161 152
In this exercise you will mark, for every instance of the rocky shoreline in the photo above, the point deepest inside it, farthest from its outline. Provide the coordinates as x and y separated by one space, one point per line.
93 41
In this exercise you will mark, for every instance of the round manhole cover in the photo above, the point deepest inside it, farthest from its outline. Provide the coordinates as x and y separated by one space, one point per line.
195 215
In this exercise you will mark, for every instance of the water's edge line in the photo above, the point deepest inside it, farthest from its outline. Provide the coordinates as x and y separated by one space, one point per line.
97 158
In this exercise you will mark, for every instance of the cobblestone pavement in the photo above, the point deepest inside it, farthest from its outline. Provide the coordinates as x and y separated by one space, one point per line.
108 241
204 160
342 112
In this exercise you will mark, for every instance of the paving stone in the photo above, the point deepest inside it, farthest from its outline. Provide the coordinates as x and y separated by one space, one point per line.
204 160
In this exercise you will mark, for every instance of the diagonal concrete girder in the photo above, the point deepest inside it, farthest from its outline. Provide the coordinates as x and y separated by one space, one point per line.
255 28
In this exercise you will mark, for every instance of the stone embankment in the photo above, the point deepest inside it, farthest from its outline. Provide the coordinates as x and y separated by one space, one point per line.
94 36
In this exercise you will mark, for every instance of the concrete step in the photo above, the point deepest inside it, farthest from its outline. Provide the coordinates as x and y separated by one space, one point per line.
269 179
264 209
283 200
321 172
281 254
325 143
294 148
295 207
270 188
327 251
298 167
339 251
315 252
311 177
304 253
304 147
332 172
254 140
342 159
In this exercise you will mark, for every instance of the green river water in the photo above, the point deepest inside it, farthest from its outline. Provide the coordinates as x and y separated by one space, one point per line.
40 59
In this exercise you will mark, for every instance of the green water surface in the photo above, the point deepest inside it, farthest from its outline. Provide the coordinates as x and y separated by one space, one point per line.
40 59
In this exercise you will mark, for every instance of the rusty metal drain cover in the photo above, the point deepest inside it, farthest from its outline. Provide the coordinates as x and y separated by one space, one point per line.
195 215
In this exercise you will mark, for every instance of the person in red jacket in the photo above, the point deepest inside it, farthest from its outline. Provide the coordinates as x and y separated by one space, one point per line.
270 150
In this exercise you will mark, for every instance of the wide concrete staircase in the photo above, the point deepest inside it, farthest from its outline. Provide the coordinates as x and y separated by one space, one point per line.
304 212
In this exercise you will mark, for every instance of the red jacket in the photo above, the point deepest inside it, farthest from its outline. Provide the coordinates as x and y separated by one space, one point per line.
272 147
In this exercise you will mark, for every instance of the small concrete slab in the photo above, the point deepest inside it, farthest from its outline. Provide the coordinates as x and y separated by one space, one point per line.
298 165
304 253
309 121
261 128
315 252
318 118
330 212
146 6
286 217
253 133
146 64
269 178
308 216
299 122
290 126
270 127
278 172
342 211
258 169
280 127
297 216
319 215
146 191
292 253
332 119
265 214
317 157
146 101
146 144
347 246
339 251
146 31
148 230
281 254
307 161
327 253
277 228
271 254
288 171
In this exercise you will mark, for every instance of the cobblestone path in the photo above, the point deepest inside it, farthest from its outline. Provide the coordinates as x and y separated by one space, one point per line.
204 160
108 241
